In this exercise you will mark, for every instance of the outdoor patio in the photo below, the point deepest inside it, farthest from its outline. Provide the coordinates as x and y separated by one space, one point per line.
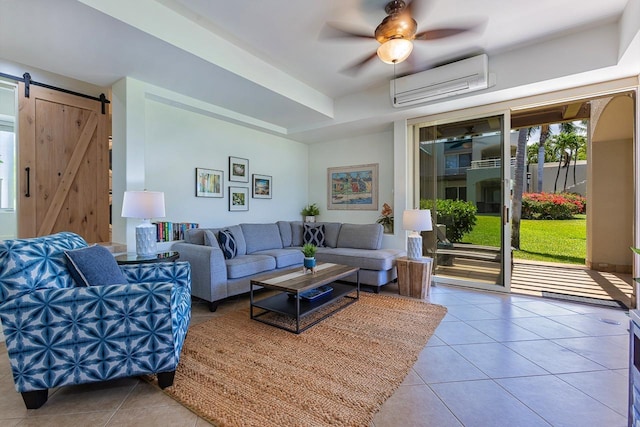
550 280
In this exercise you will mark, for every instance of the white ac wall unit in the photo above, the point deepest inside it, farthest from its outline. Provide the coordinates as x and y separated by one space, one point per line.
467 75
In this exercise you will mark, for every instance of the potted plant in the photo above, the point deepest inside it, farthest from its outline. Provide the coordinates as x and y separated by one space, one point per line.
310 212
309 252
386 218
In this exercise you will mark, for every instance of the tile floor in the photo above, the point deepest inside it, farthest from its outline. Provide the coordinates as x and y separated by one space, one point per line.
495 360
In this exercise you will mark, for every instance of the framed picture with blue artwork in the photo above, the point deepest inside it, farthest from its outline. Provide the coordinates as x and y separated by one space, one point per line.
261 186
353 187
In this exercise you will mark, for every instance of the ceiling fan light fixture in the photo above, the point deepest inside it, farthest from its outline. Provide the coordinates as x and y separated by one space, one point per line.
394 51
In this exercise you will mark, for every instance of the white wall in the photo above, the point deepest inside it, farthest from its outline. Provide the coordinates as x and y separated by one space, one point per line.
360 150
178 141
160 137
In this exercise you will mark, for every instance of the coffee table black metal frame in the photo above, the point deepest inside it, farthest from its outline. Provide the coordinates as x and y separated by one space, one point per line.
133 258
297 307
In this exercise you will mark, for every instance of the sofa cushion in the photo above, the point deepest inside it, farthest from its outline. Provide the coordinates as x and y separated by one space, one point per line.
287 257
285 233
227 244
247 265
296 233
195 235
210 239
381 259
241 244
94 266
259 237
313 234
331 232
360 236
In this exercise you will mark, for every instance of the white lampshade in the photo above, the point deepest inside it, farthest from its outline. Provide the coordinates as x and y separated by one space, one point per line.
395 51
417 220
144 205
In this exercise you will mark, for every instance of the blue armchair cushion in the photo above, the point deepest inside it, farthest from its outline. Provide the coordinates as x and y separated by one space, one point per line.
20 258
227 244
94 266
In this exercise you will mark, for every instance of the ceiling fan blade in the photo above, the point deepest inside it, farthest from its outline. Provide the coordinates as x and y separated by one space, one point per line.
440 33
353 69
334 30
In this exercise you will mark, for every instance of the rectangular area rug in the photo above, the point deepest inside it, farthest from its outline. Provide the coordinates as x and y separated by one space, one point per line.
235 371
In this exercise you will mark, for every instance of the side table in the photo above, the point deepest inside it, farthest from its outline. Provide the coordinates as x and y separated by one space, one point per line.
133 258
414 276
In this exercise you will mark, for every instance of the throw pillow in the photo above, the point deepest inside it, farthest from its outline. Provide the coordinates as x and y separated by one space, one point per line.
94 266
227 244
210 239
313 234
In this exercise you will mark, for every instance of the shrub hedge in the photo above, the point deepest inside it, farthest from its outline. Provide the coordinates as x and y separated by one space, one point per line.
552 205
457 215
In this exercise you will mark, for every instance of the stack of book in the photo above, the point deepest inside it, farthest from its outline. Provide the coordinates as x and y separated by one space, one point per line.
169 231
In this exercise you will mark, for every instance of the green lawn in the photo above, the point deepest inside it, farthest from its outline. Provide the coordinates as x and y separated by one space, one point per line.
540 240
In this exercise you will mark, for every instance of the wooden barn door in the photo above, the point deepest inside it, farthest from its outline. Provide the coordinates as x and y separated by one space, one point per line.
63 158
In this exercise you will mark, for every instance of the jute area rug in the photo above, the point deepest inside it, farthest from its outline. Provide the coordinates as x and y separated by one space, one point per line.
235 371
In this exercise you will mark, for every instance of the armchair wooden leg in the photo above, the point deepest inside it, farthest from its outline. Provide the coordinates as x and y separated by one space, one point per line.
213 306
165 379
35 399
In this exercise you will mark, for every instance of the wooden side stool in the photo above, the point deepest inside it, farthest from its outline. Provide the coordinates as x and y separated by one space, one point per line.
414 276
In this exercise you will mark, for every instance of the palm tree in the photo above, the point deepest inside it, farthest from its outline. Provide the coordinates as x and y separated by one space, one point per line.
516 203
568 145
579 128
545 131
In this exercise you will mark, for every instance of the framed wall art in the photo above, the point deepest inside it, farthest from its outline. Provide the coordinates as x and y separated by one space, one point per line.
238 199
238 169
209 183
261 186
353 187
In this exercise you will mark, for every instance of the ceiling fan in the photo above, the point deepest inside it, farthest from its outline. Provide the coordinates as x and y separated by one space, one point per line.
396 34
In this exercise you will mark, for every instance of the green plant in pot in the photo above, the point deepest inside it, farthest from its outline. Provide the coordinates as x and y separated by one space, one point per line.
310 212
309 252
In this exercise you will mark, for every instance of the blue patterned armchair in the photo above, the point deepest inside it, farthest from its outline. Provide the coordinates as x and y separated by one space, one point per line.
58 333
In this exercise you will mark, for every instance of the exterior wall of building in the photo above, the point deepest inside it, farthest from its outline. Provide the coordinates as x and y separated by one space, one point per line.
549 178
610 186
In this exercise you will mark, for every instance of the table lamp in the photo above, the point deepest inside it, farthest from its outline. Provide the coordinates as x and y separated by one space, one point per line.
416 220
144 205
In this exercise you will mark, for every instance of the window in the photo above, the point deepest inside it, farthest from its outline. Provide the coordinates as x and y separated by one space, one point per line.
456 164
455 193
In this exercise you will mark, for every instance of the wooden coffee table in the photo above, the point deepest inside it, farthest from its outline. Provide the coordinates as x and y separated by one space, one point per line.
292 283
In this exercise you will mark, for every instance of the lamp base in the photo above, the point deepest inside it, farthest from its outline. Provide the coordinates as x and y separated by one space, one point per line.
146 239
414 246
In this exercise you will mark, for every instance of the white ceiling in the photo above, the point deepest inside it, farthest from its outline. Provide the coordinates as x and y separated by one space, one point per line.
266 59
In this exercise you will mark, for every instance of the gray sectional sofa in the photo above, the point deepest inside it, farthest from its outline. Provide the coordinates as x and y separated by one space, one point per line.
263 248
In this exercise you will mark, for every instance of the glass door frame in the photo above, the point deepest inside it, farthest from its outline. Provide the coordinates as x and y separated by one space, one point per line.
506 194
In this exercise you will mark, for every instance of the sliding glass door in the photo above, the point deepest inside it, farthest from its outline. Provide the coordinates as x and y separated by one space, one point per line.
465 170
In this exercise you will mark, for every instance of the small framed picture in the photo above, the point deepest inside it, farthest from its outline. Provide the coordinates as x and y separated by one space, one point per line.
209 183
238 169
261 186
238 199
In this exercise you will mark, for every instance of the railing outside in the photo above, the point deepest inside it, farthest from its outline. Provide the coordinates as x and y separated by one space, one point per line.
490 163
